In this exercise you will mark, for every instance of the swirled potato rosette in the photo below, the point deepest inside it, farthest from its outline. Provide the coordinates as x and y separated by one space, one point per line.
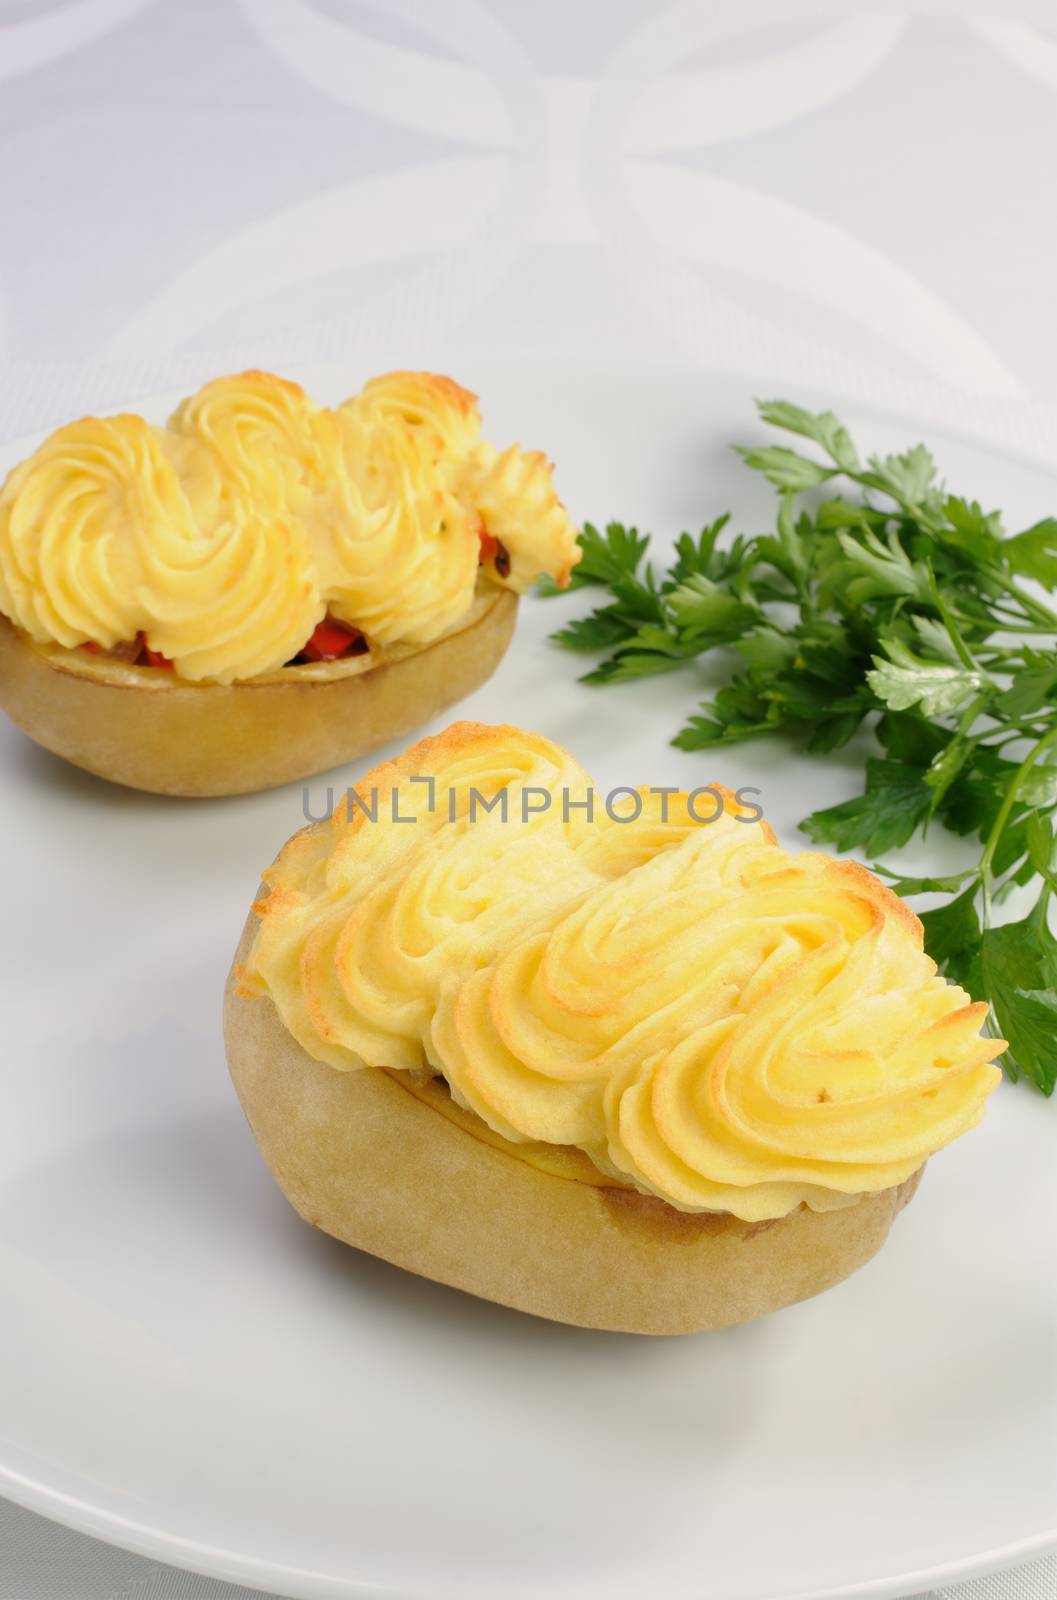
226 537
710 1020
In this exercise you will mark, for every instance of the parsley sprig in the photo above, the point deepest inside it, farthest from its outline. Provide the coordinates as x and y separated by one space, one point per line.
878 596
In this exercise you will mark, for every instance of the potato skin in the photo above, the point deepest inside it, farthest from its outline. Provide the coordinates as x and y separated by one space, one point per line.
139 727
364 1160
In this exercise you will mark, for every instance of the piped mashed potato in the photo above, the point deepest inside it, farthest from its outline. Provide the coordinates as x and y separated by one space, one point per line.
224 539
707 1018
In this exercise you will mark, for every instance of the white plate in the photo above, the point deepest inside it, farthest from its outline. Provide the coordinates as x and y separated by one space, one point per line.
191 1372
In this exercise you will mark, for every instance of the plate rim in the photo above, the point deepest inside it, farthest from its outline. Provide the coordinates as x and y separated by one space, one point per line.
302 1583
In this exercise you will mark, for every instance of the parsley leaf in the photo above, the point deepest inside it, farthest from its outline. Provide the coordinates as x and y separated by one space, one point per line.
904 680
1020 974
953 940
1033 553
605 557
885 816
823 427
785 468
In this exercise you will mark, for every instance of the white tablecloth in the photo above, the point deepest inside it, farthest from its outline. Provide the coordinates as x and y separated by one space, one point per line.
836 196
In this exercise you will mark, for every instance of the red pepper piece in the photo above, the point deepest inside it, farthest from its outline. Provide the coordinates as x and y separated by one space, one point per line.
333 639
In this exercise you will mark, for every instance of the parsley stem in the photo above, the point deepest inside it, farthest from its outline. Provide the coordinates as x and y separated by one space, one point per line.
971 712
1017 733
1033 607
1008 802
1018 626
